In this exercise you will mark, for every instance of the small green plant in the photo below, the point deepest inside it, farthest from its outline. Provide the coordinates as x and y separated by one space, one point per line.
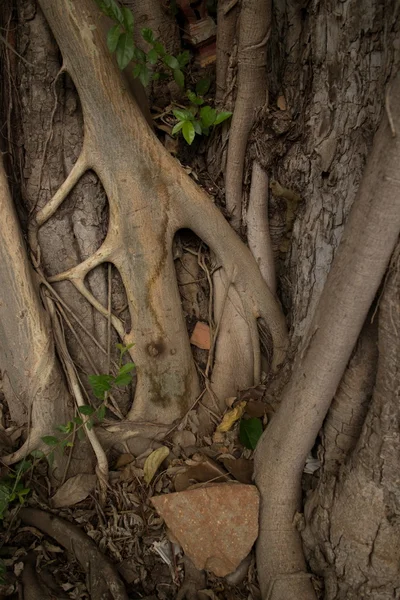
191 120
11 486
199 118
120 41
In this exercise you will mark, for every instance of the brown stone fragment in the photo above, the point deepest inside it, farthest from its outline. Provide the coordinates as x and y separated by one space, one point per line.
216 525
201 336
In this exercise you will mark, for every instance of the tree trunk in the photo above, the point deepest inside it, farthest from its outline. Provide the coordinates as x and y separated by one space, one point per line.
100 201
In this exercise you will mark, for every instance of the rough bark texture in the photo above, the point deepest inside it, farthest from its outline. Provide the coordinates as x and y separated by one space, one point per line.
370 237
147 192
353 530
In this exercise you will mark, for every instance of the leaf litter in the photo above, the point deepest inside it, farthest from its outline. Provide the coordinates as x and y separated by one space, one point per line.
128 529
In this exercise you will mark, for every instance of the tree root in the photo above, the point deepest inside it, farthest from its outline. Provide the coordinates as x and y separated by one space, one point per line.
103 581
370 237
254 29
147 191
258 235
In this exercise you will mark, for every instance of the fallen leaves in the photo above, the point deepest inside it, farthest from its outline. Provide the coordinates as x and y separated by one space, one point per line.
153 462
74 490
231 416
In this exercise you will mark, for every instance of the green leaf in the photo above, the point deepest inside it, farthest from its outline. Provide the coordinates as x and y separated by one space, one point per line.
37 454
22 493
50 440
125 50
89 424
78 420
23 467
101 412
128 19
126 368
207 116
123 379
144 76
64 444
222 116
152 56
111 9
203 86
148 35
113 37
5 498
179 78
66 428
123 348
250 431
197 127
159 47
139 55
178 127
171 61
183 115
194 99
188 131
156 76
137 69
100 384
183 58
81 435
86 410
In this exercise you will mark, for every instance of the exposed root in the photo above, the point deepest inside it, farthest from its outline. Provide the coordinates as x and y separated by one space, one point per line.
255 23
102 463
103 580
371 234
258 235
147 191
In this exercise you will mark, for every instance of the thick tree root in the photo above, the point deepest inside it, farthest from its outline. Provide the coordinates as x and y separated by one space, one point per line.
254 30
147 192
359 265
103 581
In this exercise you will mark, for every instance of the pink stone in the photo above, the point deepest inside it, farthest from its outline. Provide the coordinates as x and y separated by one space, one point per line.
216 525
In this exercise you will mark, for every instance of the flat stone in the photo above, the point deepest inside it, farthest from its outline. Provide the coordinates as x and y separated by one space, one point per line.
216 525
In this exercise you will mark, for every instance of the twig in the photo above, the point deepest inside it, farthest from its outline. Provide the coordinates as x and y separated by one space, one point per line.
102 464
49 136
3 39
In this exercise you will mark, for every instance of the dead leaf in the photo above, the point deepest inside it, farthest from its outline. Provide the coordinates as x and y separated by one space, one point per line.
203 472
256 408
131 472
123 460
184 438
240 468
201 336
153 461
231 417
74 490
281 103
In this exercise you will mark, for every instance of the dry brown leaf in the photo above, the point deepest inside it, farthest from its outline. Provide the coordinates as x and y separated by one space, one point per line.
123 460
256 408
202 472
201 336
231 417
153 461
240 468
184 438
74 490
